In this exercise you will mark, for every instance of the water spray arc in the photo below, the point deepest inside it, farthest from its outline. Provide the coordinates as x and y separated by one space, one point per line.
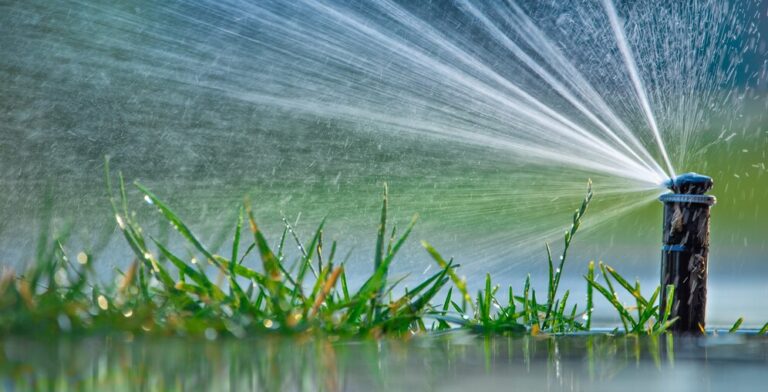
685 249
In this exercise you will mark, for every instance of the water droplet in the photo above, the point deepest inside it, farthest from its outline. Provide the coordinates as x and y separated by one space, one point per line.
120 222
103 303
148 199
82 258
61 277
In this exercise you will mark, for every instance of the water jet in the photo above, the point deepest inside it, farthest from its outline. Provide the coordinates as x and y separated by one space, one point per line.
685 249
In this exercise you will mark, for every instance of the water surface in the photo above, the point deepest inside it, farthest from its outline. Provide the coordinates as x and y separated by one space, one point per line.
455 361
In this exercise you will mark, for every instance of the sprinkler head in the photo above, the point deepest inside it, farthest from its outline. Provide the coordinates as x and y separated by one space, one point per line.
690 184
685 249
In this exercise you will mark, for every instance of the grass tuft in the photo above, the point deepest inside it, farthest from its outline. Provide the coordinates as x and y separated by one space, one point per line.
254 291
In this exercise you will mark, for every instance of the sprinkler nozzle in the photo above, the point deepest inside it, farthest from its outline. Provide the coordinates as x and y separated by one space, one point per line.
690 183
685 252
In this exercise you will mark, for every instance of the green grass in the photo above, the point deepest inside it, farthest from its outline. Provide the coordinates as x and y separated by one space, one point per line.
258 291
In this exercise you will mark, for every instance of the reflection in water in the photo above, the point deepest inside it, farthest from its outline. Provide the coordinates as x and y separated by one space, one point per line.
453 361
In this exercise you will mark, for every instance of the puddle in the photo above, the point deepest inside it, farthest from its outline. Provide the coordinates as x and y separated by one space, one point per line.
455 361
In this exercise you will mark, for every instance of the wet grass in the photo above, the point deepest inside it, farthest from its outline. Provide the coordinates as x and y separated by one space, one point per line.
163 292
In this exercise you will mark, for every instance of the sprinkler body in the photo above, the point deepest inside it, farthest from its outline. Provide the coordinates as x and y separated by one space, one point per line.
685 250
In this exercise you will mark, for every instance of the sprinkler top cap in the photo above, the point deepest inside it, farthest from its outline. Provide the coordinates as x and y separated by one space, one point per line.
690 183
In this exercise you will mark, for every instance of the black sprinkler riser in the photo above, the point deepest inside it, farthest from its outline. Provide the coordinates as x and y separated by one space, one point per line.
685 250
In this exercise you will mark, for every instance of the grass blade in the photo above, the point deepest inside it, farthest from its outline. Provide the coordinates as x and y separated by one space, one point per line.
623 314
236 240
590 294
460 283
736 325
176 222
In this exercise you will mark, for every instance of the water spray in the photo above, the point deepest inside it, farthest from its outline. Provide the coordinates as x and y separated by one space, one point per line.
685 250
